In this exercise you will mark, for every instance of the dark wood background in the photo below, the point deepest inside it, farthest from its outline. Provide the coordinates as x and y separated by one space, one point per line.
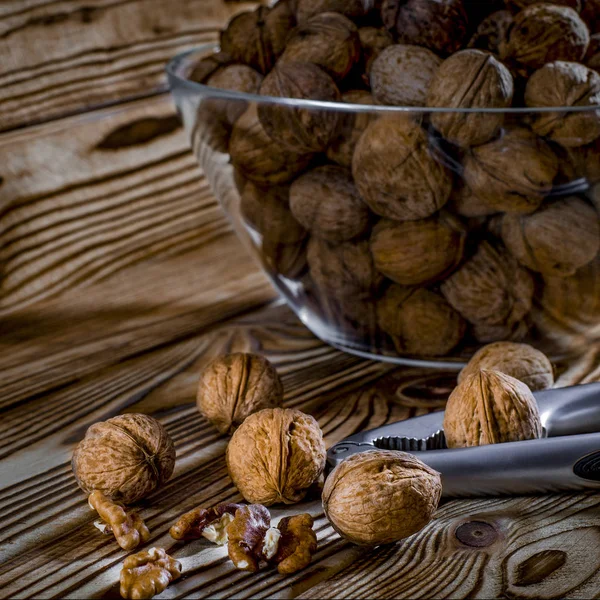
120 278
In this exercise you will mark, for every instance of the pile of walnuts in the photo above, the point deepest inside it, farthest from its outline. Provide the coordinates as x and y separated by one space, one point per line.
421 231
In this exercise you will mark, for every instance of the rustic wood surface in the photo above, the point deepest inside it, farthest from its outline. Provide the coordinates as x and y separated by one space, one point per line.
120 278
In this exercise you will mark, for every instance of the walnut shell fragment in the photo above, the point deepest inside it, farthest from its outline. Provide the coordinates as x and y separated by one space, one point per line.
490 407
276 455
381 497
126 457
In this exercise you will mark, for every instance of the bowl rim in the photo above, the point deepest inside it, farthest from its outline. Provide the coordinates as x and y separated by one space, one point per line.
178 63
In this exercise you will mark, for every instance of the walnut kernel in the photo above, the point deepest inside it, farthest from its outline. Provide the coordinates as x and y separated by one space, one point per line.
246 534
148 573
210 523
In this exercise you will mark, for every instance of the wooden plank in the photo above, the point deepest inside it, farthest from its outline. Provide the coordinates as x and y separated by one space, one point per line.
66 56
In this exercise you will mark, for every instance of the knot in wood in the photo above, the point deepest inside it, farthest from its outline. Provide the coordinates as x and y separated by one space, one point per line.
476 534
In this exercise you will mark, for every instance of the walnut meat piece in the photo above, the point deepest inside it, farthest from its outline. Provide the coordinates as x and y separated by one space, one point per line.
565 84
276 455
470 79
328 40
350 8
401 75
246 534
210 523
257 38
236 385
296 544
395 172
513 173
299 129
258 157
381 496
373 41
418 252
559 238
420 321
492 33
491 291
126 457
521 361
440 25
490 407
326 202
543 33
148 573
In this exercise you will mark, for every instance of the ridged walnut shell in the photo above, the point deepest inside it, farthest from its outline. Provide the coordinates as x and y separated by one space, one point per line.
492 33
381 497
559 238
490 407
373 41
210 65
418 252
565 84
275 456
521 361
126 457
470 79
419 321
350 8
235 386
396 173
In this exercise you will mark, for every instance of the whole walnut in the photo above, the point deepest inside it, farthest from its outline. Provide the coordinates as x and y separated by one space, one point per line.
590 13
258 157
513 173
440 25
395 171
126 457
562 236
401 75
521 361
373 41
543 33
492 33
210 65
286 260
354 9
326 202
352 124
419 321
490 407
343 270
592 58
465 203
257 38
418 252
236 385
381 496
490 289
565 84
299 129
470 79
276 455
267 210
328 40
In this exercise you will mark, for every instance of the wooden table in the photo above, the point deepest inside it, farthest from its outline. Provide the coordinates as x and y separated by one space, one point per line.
120 278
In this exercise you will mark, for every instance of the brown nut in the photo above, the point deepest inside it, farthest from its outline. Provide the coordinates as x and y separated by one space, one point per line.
373 41
401 75
565 84
395 172
236 385
352 124
543 33
490 407
470 79
299 129
210 523
210 65
418 252
350 8
148 573
490 290
126 457
128 527
465 203
326 202
257 38
297 542
246 534
440 25
420 321
559 238
381 496
276 455
513 173
328 40
492 33
258 157
267 210
521 361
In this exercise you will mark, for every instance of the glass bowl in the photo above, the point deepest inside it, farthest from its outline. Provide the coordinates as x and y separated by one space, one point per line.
393 243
